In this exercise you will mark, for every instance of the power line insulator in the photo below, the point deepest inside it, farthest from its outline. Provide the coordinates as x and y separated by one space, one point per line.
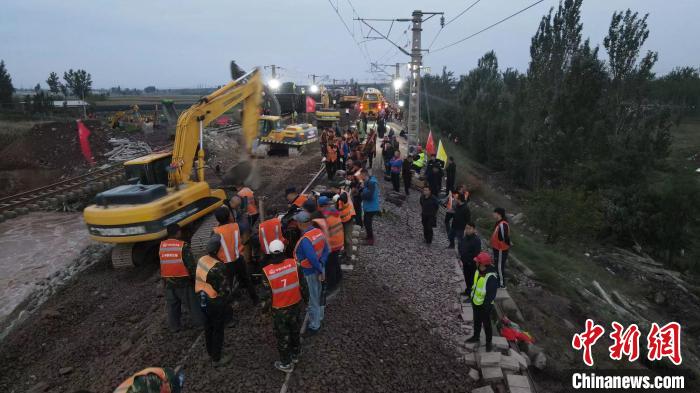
442 21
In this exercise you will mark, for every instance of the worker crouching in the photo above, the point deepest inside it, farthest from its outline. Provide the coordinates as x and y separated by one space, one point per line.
153 380
283 278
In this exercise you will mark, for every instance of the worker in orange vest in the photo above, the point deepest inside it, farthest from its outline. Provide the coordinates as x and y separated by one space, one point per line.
248 197
153 380
177 267
268 231
230 251
294 199
500 243
343 201
283 279
331 159
336 241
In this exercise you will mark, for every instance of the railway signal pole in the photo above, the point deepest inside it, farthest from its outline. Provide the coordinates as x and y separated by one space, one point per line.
416 54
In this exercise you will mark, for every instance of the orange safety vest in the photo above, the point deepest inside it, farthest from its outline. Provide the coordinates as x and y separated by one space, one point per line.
495 241
204 265
164 388
322 224
347 210
336 236
247 193
268 231
231 247
300 199
284 283
171 262
318 241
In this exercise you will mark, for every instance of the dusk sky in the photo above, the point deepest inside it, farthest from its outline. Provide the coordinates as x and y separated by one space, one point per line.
175 43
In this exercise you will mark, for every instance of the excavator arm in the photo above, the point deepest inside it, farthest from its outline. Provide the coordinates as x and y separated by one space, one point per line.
190 125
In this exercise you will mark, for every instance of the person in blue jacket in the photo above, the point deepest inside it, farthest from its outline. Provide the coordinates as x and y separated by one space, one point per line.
311 252
369 192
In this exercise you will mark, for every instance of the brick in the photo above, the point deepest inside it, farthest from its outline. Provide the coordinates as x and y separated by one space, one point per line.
467 314
474 374
491 374
471 346
483 389
500 343
520 390
470 359
490 359
510 363
520 381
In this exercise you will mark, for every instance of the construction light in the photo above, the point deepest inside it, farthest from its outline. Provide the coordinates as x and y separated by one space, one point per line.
313 89
398 83
274 84
400 103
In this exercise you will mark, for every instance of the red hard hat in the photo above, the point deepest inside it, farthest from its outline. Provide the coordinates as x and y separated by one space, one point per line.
484 258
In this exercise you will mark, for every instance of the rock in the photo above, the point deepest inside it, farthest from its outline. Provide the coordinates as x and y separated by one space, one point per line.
124 347
470 359
518 381
522 359
39 387
659 298
65 370
510 363
53 314
540 361
518 218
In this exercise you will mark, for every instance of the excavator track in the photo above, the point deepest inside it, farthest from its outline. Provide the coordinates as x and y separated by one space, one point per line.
200 238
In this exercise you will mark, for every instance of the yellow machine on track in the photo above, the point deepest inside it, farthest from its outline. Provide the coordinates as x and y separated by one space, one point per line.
163 188
274 137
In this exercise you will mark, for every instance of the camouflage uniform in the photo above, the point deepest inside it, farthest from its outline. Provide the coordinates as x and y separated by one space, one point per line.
151 383
286 324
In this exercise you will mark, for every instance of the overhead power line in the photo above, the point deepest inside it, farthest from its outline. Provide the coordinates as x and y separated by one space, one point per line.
450 21
487 28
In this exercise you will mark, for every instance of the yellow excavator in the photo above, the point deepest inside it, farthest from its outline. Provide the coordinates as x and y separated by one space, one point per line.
162 188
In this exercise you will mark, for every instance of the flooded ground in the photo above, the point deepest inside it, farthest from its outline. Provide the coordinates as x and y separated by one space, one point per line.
35 247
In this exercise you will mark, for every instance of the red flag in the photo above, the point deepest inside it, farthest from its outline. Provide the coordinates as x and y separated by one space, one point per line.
430 145
83 134
310 105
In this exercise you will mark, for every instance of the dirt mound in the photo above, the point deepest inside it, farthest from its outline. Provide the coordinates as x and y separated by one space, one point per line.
52 146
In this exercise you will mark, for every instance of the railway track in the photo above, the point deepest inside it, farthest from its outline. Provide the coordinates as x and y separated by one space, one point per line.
64 191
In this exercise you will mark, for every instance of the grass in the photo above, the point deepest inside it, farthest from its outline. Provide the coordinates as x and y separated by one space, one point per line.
685 147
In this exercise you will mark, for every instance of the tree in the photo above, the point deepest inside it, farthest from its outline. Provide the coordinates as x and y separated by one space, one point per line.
37 88
79 82
149 89
6 88
54 83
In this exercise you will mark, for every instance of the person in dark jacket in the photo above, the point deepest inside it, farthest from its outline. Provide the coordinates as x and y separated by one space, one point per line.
462 216
451 173
500 243
484 288
429 209
469 248
406 173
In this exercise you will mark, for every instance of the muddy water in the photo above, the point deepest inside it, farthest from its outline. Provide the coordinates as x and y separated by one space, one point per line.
33 247
19 180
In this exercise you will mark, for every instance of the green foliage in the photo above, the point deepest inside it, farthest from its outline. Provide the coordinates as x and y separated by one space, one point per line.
589 135
79 82
6 88
54 83
565 212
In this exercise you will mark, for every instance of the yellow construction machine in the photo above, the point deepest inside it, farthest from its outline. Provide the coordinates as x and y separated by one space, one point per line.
290 139
163 188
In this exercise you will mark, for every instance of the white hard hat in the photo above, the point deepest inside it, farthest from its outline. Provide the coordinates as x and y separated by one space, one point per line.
276 246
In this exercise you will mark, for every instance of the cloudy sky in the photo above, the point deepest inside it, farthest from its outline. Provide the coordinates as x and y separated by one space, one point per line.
178 43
